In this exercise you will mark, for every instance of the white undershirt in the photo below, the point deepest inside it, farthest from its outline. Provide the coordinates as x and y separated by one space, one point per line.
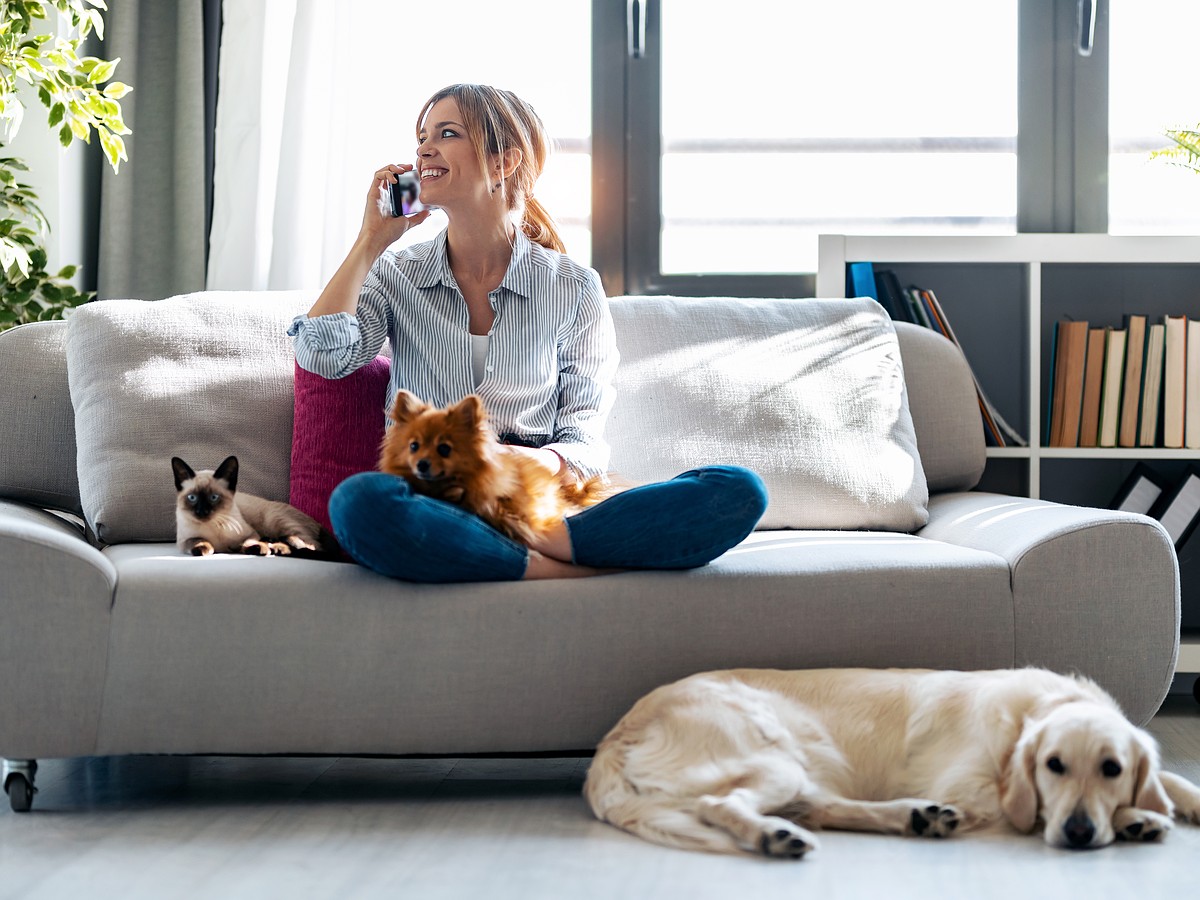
479 346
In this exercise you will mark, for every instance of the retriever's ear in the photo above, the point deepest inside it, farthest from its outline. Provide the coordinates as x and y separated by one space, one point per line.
1148 791
405 406
1018 791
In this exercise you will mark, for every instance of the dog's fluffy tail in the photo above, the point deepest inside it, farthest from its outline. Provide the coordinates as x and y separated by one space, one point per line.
653 815
592 490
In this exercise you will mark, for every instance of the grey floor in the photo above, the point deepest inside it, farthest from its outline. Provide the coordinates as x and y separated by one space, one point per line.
169 827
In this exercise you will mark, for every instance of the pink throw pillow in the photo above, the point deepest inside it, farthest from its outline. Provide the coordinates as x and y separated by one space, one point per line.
336 432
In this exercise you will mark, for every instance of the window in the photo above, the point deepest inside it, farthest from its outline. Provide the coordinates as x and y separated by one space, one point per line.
1152 86
862 116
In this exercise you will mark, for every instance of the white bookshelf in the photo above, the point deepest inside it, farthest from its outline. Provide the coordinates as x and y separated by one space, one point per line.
1034 255
1031 252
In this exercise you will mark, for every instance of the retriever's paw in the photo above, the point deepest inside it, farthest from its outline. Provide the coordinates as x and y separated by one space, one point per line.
1143 825
786 840
934 820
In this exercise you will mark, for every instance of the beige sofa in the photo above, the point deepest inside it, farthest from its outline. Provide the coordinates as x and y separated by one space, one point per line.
126 646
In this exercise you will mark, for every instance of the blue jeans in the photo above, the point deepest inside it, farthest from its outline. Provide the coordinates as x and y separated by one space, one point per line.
678 524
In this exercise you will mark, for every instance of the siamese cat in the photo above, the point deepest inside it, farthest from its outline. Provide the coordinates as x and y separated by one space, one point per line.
212 517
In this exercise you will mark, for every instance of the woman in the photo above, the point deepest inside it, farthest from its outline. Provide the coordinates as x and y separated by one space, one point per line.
493 306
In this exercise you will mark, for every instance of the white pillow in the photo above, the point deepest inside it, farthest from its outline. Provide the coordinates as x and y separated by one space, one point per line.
199 376
807 393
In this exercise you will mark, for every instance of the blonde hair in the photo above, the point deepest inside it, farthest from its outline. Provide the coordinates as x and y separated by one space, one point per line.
498 121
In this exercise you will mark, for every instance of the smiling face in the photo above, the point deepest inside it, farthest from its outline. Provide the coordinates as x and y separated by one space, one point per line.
447 161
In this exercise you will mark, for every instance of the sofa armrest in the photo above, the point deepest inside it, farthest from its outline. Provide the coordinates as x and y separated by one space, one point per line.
1094 590
56 596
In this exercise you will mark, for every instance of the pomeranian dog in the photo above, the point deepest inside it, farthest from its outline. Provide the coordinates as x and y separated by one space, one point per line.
452 454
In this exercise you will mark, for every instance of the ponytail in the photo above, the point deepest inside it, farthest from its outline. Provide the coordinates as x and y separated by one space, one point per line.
539 227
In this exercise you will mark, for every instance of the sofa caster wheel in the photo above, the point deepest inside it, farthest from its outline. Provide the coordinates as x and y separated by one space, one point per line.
18 783
20 793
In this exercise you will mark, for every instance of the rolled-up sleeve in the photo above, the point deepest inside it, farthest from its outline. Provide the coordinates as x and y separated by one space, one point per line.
337 344
587 363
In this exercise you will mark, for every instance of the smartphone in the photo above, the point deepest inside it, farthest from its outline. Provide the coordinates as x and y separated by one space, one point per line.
405 192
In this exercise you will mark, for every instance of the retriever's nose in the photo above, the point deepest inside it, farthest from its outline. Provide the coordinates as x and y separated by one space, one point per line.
1079 830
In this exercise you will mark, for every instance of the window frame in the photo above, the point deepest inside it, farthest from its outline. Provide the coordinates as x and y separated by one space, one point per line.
1062 160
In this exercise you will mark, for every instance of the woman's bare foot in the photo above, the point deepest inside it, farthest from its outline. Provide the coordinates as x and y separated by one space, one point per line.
555 543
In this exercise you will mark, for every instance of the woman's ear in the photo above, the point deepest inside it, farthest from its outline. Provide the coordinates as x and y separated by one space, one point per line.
1018 790
508 162
1148 791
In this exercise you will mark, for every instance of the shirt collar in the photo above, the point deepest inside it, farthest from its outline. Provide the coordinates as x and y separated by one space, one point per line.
436 269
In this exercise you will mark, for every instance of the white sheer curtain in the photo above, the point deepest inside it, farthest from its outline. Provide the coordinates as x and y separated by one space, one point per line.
316 94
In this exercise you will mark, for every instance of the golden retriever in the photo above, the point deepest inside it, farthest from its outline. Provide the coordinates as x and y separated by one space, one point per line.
751 759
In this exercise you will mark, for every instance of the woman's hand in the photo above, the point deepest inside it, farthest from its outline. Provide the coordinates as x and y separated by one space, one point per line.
380 229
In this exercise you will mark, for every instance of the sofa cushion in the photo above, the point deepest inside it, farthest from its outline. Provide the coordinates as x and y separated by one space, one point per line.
39 468
197 376
338 427
808 393
944 408
327 658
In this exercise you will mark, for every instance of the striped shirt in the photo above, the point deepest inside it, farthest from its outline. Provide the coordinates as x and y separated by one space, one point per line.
551 351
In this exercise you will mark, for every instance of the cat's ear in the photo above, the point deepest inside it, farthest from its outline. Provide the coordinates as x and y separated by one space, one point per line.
182 472
228 472
469 410
406 406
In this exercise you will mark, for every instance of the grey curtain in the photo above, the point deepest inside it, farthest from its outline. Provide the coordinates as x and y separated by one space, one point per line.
153 215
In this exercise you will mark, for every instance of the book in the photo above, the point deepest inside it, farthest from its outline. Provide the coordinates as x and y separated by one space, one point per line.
1135 326
917 308
1110 390
1140 492
1151 384
1058 388
1179 509
1174 369
860 280
1002 432
1068 382
891 296
1089 415
1191 424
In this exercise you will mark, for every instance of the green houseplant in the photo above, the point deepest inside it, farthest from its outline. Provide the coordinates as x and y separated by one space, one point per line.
1185 151
73 90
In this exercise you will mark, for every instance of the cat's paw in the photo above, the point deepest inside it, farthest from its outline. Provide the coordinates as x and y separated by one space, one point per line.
203 548
279 548
255 547
296 542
